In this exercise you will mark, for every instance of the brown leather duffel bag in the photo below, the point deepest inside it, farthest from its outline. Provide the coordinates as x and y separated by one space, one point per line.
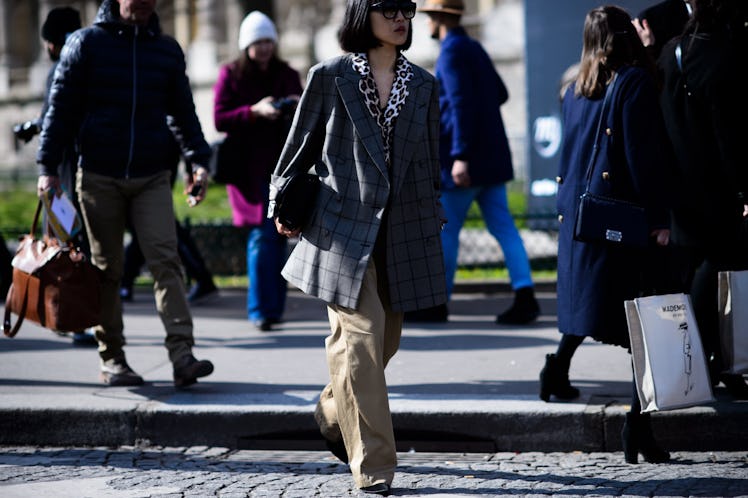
53 285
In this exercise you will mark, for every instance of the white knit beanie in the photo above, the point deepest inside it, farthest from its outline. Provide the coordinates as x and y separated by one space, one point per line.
256 26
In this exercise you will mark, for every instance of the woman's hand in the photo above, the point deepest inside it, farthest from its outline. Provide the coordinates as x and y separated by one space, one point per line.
266 109
286 231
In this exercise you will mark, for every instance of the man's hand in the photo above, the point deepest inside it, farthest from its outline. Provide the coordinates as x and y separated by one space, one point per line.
197 186
26 131
644 31
460 174
47 183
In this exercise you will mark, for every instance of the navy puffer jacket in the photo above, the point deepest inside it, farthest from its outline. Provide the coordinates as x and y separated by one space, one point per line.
113 89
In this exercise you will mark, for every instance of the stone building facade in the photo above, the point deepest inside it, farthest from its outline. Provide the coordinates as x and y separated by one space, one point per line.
207 30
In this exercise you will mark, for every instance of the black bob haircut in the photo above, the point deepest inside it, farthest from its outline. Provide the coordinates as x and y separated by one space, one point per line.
355 34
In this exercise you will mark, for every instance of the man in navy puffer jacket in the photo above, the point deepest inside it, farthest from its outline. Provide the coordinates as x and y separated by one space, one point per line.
115 85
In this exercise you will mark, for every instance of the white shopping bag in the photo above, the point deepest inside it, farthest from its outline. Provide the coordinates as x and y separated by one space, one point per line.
669 364
733 320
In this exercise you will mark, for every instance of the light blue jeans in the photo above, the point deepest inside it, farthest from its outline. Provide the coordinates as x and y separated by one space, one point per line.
266 255
494 207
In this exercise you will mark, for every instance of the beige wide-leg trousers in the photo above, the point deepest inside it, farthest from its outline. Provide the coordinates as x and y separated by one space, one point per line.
354 405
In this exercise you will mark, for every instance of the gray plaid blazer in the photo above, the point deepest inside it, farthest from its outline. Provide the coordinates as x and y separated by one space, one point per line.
334 135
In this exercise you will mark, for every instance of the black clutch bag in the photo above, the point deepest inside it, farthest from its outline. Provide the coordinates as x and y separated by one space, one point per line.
294 202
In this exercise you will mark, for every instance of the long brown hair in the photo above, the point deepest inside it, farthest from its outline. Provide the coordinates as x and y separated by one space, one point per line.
609 42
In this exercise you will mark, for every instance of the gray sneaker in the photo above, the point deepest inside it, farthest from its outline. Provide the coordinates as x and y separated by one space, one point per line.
116 372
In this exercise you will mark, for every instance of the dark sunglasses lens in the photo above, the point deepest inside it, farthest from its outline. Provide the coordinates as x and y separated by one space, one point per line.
390 9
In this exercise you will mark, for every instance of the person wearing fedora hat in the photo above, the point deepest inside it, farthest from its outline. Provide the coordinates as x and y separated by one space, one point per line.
475 159
454 7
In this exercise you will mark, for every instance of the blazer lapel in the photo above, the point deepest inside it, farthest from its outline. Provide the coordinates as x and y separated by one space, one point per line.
411 119
365 125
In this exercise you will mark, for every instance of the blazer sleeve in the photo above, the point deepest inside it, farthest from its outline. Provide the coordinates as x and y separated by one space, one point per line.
433 137
304 141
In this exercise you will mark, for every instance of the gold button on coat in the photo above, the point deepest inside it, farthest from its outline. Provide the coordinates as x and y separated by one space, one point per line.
560 218
606 176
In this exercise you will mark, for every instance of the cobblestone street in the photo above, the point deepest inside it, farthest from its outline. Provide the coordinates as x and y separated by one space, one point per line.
134 472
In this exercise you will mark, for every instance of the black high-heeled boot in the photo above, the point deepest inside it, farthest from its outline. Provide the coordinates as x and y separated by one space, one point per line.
554 380
637 437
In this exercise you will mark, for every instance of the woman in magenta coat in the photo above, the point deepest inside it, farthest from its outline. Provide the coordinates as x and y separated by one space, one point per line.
254 99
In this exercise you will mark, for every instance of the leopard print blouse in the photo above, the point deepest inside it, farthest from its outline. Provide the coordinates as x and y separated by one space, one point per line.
385 117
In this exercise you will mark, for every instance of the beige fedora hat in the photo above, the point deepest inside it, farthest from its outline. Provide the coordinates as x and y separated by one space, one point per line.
447 6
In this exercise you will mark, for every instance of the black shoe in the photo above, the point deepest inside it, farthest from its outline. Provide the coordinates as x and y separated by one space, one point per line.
735 384
524 310
377 489
435 314
337 448
264 325
554 380
116 372
637 437
85 338
187 370
202 293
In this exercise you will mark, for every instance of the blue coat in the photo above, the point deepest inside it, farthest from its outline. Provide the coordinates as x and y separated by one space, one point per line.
594 279
470 97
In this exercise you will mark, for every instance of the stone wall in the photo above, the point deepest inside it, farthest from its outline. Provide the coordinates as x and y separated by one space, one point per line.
307 30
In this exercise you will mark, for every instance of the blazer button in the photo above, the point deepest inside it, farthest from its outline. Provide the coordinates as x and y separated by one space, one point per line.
559 180
608 131
560 218
606 176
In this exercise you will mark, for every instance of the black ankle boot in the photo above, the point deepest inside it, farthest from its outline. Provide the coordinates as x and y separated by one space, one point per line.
524 310
555 380
637 437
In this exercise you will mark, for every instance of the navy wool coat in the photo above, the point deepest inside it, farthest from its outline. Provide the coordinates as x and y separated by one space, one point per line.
334 132
594 279
471 93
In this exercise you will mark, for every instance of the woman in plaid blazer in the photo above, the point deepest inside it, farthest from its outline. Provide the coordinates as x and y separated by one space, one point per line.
368 126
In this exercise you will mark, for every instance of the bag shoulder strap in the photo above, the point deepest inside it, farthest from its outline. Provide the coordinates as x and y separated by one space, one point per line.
596 146
8 330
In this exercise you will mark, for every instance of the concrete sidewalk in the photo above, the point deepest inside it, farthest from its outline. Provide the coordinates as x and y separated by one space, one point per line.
468 385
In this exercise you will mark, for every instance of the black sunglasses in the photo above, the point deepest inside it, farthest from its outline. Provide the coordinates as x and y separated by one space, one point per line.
390 9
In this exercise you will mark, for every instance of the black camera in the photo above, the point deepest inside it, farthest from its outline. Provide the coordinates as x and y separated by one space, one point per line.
285 105
26 131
